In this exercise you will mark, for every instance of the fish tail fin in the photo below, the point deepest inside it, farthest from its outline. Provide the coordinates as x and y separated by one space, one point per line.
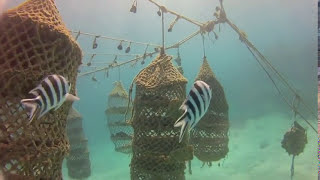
71 98
183 123
31 106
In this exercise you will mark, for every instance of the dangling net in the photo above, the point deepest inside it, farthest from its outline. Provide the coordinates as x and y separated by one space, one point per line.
33 44
157 154
120 129
295 140
210 136
78 161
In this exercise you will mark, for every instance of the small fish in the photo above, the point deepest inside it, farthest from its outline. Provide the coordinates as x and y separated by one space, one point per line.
194 107
49 94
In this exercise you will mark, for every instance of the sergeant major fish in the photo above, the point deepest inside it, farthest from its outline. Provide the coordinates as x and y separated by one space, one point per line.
51 93
194 107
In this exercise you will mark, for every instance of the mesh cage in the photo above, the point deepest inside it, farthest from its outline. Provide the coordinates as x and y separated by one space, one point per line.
210 136
33 44
120 129
295 140
157 153
78 162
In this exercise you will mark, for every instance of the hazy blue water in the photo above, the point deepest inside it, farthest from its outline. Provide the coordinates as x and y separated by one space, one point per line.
284 31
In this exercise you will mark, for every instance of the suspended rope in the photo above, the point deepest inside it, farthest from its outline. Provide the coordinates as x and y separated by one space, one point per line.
292 167
93 78
119 64
178 15
295 106
203 47
91 59
211 39
278 89
178 44
111 38
110 54
140 57
284 81
189 166
208 27
162 24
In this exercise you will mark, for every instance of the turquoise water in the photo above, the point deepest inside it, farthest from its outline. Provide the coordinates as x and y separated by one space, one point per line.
284 31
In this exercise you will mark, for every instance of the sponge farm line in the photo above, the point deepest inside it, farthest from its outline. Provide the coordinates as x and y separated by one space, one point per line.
297 104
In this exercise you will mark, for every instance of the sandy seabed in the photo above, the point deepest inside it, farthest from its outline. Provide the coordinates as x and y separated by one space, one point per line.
255 154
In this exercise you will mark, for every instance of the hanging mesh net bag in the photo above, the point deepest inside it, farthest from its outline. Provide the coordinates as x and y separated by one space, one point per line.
157 153
78 161
120 129
34 43
210 136
295 139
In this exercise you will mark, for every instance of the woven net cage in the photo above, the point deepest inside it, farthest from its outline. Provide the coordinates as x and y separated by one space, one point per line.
295 139
34 43
180 69
157 153
210 136
120 129
78 161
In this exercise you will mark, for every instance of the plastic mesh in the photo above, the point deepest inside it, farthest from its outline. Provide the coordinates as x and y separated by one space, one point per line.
121 131
78 162
157 154
33 44
210 136
295 140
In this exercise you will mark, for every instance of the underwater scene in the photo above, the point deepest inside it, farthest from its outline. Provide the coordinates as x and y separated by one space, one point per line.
158 89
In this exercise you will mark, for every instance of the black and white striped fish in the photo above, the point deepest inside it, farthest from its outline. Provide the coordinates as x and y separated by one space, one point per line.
194 107
49 94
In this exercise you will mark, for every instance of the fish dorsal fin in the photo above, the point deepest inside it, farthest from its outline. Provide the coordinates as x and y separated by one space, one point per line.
33 90
71 98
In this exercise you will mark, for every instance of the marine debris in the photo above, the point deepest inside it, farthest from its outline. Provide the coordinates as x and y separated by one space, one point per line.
78 160
34 42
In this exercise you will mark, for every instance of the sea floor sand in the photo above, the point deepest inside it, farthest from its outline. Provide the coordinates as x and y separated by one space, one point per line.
255 153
